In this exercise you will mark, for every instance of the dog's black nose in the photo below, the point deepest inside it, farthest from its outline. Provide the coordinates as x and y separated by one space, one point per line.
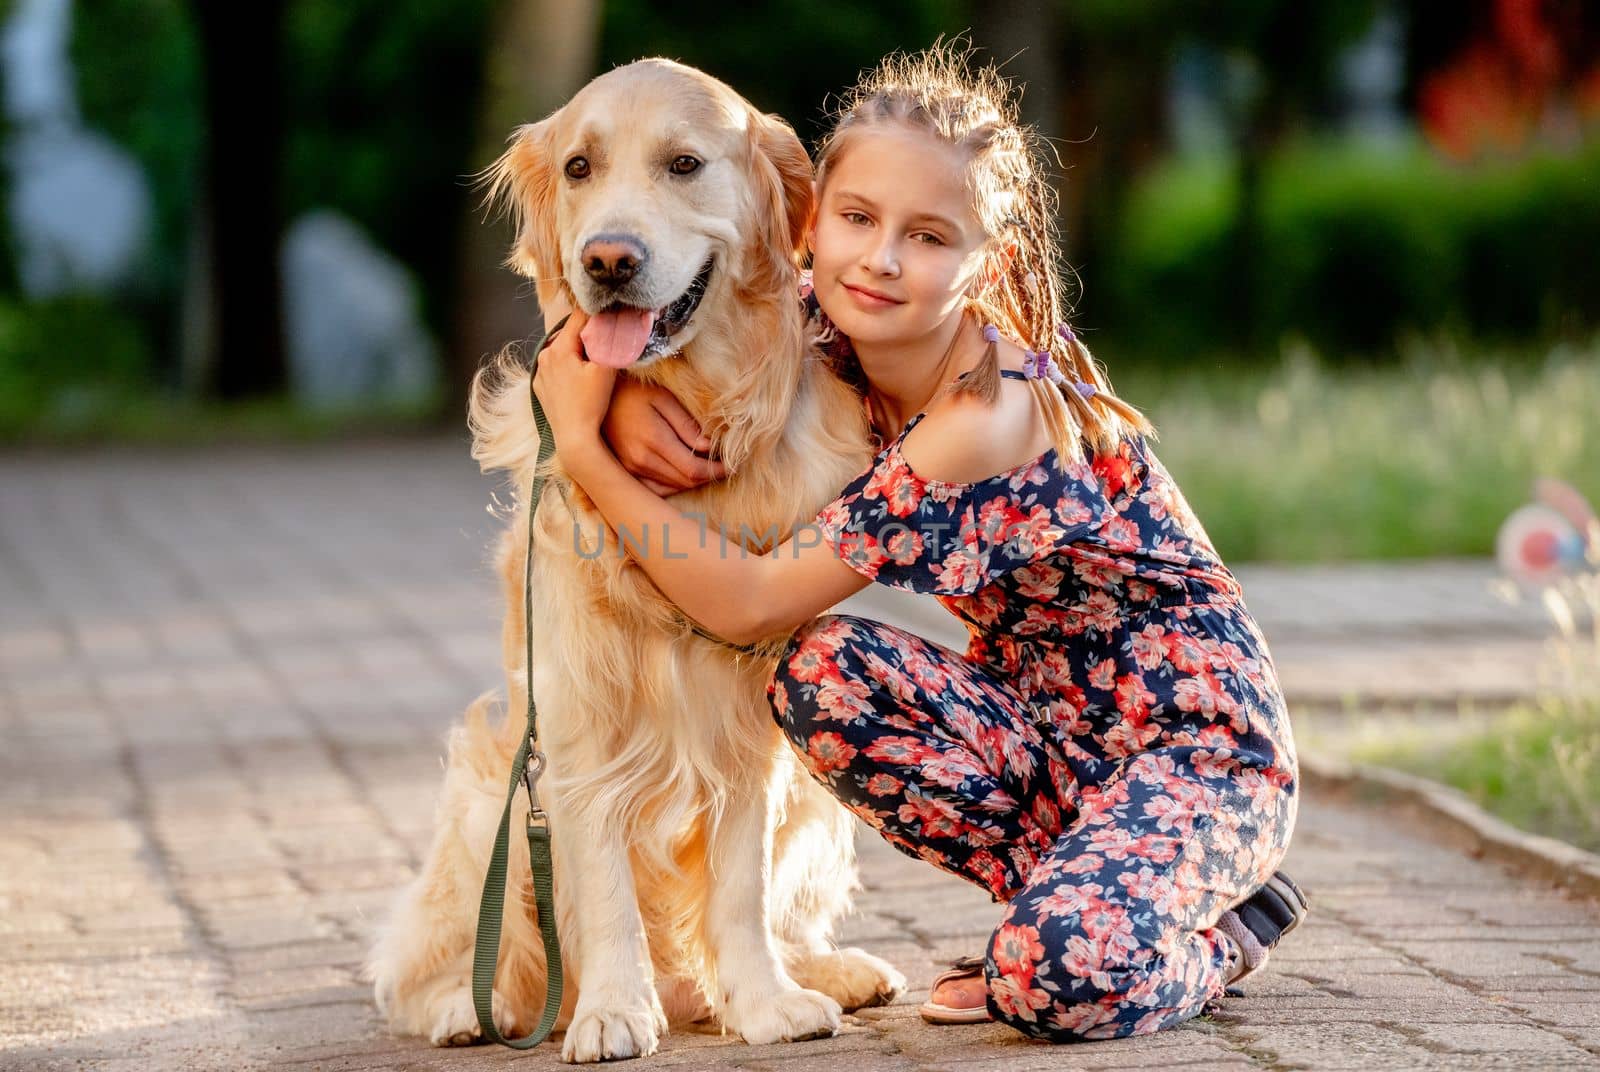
612 260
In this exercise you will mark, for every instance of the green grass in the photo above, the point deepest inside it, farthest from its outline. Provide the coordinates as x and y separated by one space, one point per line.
1310 462
1536 765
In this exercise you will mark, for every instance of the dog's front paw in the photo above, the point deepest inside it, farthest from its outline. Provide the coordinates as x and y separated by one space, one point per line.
853 977
454 1022
612 1032
787 1016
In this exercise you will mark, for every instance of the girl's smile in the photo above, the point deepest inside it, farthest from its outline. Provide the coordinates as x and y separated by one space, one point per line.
871 299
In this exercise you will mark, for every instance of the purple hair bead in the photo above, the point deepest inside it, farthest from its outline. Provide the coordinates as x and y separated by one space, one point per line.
991 333
1036 365
1065 331
1087 390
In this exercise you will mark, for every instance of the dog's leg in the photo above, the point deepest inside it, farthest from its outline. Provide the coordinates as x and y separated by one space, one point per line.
421 961
618 1013
753 995
813 873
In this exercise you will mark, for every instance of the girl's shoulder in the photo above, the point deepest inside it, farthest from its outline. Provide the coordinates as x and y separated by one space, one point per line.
960 438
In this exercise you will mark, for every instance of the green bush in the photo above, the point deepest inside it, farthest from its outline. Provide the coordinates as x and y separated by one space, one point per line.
1356 248
1166 284
65 360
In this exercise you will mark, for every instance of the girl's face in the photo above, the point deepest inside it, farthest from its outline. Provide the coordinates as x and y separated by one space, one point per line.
896 245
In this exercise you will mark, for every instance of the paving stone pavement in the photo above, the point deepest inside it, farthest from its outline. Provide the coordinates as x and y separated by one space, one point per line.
224 681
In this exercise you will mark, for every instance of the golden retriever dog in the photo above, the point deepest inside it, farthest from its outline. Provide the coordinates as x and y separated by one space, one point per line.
698 869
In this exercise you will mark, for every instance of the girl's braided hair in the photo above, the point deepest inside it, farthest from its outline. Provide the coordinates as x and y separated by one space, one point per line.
974 110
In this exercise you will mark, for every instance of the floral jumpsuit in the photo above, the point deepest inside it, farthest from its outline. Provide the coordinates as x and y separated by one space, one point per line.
1111 757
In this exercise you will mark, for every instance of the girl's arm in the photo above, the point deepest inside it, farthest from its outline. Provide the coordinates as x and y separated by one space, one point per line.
737 595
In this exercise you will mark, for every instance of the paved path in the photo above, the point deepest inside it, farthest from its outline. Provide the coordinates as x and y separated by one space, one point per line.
223 685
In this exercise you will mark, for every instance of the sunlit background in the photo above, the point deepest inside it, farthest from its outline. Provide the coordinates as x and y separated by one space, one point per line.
1344 253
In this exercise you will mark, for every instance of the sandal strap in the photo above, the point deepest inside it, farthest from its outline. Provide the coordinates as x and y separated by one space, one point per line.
960 968
1252 951
1274 910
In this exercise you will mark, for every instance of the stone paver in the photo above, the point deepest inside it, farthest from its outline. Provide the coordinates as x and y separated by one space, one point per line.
224 683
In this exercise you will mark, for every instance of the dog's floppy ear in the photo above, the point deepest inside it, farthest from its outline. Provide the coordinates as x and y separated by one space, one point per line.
522 180
784 168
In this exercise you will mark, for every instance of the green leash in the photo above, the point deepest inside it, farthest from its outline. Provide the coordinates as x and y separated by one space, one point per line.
491 909
486 952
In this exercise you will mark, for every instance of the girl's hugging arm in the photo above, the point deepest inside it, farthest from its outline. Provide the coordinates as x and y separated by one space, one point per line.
743 596
736 594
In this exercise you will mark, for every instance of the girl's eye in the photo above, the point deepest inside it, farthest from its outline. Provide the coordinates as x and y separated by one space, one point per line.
684 165
929 239
577 168
856 217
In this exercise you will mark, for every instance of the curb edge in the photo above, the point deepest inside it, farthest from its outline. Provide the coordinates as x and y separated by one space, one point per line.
1453 814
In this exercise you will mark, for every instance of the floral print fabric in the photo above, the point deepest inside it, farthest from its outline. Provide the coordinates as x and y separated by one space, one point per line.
1111 756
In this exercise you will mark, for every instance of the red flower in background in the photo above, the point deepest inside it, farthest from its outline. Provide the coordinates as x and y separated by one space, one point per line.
1516 76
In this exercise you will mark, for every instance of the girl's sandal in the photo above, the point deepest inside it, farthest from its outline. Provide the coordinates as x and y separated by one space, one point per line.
949 1008
1261 921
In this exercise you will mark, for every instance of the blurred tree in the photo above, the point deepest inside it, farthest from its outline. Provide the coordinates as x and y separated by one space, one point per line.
371 101
1113 59
239 347
1116 59
383 95
786 57
148 100
1289 50
539 52
1018 35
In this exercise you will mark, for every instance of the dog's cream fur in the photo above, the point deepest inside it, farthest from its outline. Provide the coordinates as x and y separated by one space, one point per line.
698 868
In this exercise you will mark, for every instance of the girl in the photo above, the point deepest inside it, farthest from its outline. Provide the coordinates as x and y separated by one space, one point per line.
1111 757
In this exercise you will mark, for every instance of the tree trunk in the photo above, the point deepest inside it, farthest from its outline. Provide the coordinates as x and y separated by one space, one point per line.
1114 121
236 345
540 53
1018 35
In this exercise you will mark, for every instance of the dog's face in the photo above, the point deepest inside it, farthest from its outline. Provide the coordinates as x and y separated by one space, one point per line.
656 193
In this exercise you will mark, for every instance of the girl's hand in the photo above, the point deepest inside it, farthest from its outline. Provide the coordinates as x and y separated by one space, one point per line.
656 439
573 390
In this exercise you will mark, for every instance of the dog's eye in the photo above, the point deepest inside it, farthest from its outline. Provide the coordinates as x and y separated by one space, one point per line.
684 165
578 168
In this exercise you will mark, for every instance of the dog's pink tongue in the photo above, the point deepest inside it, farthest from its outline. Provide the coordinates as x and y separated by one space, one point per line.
616 338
